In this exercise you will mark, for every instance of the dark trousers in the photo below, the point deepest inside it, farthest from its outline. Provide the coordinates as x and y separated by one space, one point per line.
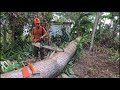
36 50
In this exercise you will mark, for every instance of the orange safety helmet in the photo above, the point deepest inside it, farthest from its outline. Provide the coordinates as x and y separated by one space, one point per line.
36 20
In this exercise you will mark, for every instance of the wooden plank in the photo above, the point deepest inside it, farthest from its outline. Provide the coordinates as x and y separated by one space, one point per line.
52 54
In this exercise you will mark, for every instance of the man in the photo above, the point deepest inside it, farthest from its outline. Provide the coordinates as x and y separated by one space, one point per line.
38 34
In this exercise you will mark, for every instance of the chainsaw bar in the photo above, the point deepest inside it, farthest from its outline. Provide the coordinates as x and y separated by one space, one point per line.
48 47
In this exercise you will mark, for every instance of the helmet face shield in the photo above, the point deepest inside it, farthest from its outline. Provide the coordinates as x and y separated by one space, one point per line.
37 25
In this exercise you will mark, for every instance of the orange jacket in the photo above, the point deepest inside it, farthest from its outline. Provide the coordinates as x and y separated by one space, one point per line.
37 33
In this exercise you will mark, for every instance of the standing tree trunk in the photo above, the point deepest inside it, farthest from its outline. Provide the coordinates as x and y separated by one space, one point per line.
94 30
13 35
12 18
4 38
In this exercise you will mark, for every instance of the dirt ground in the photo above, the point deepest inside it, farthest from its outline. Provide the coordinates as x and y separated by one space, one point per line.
96 65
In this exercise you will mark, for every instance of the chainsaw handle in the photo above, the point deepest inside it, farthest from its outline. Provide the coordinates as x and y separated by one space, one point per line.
41 43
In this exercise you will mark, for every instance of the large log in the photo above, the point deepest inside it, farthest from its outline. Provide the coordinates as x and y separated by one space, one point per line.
51 67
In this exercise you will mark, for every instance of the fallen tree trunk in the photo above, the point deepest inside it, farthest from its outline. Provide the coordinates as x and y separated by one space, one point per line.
51 67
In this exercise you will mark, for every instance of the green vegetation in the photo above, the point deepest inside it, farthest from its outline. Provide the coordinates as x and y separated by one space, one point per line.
16 47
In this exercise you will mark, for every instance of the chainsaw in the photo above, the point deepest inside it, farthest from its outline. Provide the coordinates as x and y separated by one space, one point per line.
41 45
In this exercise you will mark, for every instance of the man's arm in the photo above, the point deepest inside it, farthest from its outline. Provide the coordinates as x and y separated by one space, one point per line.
45 33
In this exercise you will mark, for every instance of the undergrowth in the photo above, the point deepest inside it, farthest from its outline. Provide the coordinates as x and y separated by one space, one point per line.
14 56
68 68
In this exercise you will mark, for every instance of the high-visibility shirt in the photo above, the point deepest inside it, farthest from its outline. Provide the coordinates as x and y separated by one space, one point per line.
37 33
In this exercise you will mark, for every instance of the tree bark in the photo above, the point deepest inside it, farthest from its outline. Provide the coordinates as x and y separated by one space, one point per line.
12 16
94 30
51 67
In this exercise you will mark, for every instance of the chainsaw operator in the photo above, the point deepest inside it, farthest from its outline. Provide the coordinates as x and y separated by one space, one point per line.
38 34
